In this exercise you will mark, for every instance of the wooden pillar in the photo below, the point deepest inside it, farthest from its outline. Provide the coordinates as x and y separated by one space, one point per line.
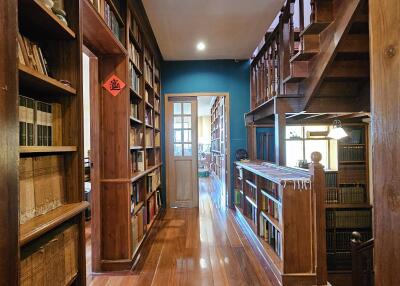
280 144
385 101
318 217
9 156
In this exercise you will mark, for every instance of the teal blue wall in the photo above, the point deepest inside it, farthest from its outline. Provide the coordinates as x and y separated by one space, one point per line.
213 76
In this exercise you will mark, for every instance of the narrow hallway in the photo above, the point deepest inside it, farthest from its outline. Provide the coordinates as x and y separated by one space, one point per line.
195 247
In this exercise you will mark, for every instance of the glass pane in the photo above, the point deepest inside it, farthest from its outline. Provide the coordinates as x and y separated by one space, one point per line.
187 135
187 149
177 149
177 122
187 108
177 135
294 132
294 153
320 146
187 122
177 108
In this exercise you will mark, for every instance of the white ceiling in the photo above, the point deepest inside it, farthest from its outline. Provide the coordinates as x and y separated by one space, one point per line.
231 29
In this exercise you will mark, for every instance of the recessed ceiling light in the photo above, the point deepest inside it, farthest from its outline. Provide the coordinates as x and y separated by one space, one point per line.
201 46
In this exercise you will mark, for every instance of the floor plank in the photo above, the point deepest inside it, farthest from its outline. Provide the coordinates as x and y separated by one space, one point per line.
203 246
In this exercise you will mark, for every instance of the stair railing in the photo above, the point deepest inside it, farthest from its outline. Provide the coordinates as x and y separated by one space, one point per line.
362 260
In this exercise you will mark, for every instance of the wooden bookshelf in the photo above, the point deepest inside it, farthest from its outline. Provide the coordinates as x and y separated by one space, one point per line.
348 197
50 189
280 210
217 138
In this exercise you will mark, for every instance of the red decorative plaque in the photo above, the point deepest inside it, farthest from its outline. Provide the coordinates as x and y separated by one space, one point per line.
114 85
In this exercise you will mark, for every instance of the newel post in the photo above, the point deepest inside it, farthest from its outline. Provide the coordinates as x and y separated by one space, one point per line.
319 231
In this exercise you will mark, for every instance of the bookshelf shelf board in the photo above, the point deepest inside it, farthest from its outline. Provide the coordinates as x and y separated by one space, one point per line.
148 85
148 105
136 147
272 220
157 129
156 94
138 207
47 149
251 200
348 206
251 184
135 120
148 62
96 34
149 195
44 23
138 175
350 144
72 281
135 93
137 69
34 80
134 41
149 147
149 126
272 198
157 111
351 162
43 223
216 151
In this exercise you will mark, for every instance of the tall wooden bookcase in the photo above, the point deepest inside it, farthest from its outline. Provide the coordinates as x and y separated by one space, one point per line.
43 235
127 156
218 135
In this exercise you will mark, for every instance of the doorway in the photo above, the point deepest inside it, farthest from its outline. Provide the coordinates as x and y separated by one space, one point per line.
197 146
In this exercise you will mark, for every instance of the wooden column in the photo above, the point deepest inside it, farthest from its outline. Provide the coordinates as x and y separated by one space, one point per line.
280 133
9 249
385 100
318 217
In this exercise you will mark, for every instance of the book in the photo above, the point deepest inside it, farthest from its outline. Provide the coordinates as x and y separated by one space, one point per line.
32 55
22 114
140 161
26 187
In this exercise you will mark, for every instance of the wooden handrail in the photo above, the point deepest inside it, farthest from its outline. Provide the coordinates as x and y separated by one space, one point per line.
362 260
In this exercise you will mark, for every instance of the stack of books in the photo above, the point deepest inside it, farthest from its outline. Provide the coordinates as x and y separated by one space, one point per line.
111 21
30 54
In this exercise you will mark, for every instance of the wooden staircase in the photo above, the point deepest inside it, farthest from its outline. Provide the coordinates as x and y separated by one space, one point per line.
323 59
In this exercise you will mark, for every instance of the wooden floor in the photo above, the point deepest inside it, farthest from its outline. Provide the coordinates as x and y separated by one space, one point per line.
204 246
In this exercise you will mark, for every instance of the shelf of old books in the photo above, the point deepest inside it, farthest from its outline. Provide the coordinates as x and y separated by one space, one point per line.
50 127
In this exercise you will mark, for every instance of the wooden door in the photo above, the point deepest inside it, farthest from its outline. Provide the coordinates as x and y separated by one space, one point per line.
181 152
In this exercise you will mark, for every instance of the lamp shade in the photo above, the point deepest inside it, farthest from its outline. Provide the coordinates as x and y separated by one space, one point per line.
337 132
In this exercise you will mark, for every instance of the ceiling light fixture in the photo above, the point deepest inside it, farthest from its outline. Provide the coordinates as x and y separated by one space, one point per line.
201 46
337 132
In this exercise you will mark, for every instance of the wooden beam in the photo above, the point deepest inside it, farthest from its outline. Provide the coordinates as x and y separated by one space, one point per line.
385 98
330 39
280 135
336 105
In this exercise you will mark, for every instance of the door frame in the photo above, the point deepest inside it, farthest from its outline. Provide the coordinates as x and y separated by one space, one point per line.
227 132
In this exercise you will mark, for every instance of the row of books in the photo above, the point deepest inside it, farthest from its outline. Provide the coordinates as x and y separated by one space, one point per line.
352 174
39 123
135 194
348 219
238 198
153 181
340 240
330 179
351 153
156 86
148 57
148 117
30 54
138 227
339 260
149 137
157 104
148 73
157 139
134 54
347 195
135 110
271 235
136 162
54 263
136 137
157 156
111 21
41 184
156 121
156 72
272 208
134 78
250 211
135 31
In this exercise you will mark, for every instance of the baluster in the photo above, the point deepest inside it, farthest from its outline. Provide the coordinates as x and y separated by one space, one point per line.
269 72
312 15
301 15
291 31
277 67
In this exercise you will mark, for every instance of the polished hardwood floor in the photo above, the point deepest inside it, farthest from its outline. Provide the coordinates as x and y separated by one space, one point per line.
204 246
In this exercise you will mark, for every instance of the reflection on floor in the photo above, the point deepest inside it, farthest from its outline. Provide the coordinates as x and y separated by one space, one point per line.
204 246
